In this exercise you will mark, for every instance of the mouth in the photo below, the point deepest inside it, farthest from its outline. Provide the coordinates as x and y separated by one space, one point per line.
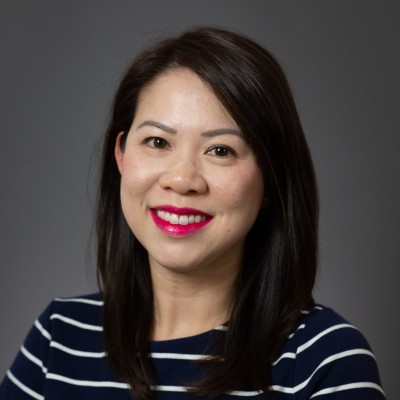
179 221
176 219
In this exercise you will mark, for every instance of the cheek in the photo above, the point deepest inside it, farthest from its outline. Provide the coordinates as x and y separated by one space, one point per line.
137 180
241 191
137 175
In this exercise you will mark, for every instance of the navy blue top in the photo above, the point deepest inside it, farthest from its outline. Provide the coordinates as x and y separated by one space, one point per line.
63 358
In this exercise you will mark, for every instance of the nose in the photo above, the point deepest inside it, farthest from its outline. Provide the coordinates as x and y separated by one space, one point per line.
183 176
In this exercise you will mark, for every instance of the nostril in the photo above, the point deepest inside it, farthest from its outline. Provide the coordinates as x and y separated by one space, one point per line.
184 181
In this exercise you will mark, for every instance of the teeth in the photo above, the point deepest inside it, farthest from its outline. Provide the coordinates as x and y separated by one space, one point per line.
183 220
176 219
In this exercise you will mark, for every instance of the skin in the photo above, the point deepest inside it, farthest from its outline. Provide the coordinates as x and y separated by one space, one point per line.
184 149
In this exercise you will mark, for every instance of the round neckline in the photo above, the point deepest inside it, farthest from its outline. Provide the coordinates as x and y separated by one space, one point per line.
180 343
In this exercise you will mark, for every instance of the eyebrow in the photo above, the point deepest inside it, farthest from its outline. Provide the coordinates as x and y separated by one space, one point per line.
158 125
210 133
222 131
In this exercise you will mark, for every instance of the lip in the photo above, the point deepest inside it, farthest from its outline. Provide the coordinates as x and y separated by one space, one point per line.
177 229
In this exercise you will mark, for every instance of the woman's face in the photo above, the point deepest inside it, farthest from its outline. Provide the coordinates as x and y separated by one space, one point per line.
190 186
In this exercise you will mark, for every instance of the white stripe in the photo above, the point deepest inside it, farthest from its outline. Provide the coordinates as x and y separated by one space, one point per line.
180 389
164 388
179 356
34 359
311 341
283 389
347 353
42 330
78 353
78 300
306 312
302 326
76 323
328 360
293 355
77 382
245 393
349 386
321 334
332 358
285 355
23 387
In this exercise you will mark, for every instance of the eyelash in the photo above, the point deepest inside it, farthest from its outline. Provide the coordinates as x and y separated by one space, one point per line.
163 144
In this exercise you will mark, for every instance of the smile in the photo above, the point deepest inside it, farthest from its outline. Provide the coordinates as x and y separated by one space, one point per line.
179 221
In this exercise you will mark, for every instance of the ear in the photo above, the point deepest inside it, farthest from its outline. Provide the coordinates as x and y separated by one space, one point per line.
119 151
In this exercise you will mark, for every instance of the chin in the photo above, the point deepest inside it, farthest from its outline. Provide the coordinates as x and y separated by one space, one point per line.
176 264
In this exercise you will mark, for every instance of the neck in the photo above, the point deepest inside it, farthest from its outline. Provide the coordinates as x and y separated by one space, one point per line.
189 303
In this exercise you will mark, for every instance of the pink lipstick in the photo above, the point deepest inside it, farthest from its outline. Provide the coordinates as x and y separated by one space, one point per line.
179 221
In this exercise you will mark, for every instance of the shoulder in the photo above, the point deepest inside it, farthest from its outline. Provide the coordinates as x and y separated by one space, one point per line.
330 355
67 330
91 299
321 326
69 316
78 304
73 331
80 312
69 310
321 333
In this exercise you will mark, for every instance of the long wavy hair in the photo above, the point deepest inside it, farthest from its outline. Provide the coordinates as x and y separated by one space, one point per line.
279 267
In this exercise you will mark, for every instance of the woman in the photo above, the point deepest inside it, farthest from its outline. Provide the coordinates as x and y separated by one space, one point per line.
207 247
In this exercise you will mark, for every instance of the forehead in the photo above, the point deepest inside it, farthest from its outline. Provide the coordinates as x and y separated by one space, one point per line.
180 93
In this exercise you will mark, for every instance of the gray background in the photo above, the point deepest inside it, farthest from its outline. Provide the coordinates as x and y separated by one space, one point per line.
60 63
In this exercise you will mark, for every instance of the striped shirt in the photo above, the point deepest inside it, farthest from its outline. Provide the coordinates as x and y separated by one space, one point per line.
63 357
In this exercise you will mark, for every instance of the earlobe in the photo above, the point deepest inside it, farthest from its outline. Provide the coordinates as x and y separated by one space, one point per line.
119 151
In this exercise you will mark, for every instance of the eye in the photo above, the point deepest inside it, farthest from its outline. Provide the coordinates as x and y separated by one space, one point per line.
157 142
221 151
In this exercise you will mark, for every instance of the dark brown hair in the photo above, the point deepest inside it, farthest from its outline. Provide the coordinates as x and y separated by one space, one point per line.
280 260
